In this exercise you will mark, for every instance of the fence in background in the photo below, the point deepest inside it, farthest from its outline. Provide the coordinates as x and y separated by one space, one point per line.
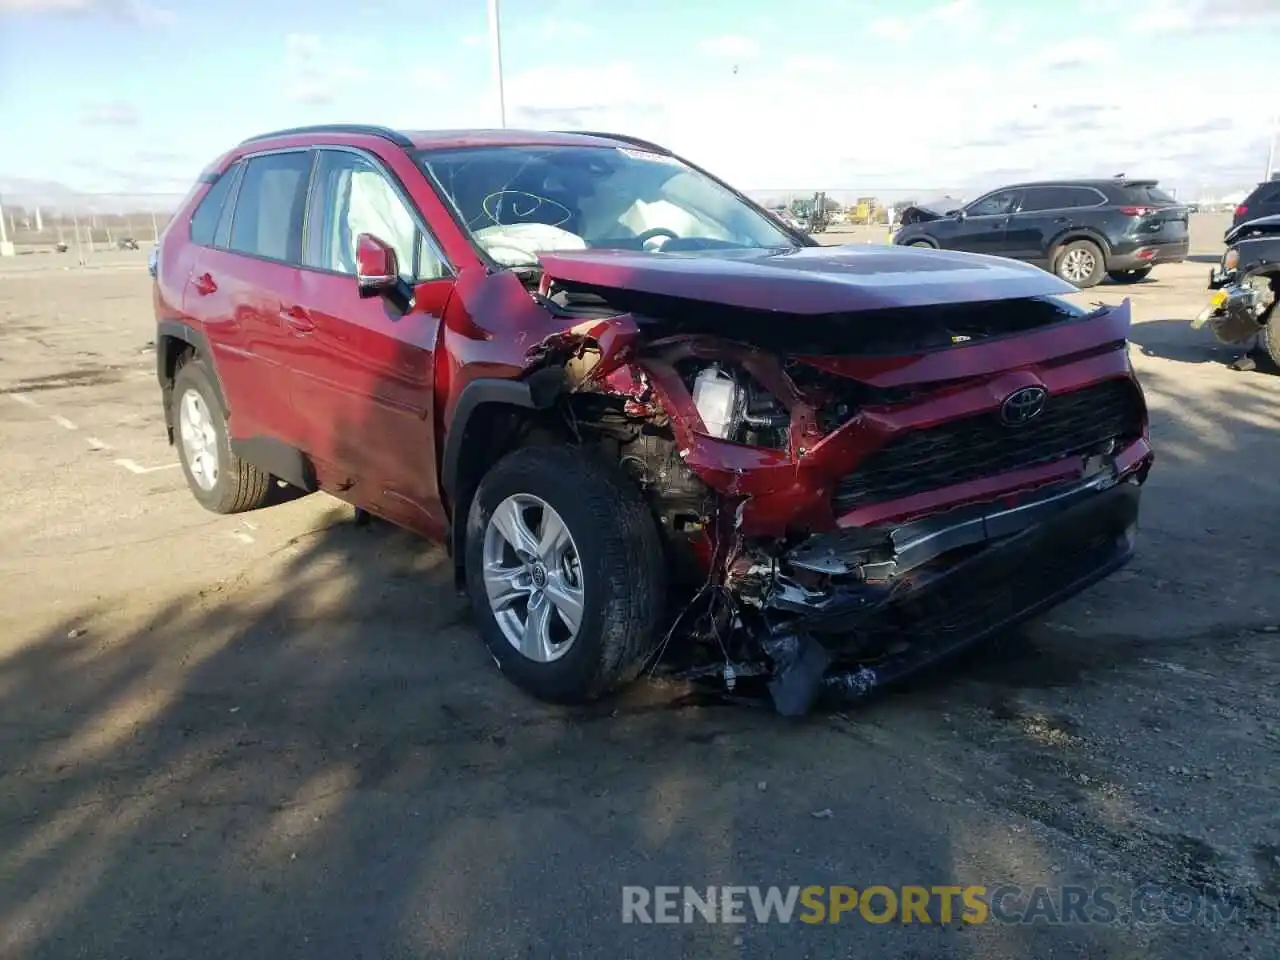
85 224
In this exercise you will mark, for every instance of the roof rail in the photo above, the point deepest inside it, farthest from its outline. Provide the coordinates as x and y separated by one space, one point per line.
364 129
620 137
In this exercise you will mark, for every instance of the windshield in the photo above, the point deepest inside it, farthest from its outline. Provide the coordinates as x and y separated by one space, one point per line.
518 201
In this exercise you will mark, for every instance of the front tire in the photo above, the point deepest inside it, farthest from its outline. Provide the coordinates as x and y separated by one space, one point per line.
565 570
921 243
1080 263
1129 276
1271 338
219 480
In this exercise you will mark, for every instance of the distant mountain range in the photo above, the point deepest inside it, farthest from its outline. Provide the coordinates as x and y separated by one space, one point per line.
55 197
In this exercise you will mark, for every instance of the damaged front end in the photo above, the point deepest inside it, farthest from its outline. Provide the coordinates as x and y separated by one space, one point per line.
848 497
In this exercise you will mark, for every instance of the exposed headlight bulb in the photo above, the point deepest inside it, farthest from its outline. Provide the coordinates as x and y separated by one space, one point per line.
718 399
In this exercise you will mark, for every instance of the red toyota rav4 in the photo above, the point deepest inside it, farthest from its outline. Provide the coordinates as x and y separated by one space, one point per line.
643 413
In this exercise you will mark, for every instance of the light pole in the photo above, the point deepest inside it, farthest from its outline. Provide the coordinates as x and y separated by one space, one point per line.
1271 147
495 49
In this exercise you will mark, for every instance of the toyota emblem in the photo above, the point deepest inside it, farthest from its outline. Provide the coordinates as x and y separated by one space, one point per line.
1023 406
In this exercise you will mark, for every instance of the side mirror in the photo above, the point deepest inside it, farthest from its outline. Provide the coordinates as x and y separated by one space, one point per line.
377 268
958 214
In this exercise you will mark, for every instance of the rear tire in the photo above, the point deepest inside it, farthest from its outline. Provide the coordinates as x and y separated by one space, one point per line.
921 243
1080 263
1129 276
218 479
597 602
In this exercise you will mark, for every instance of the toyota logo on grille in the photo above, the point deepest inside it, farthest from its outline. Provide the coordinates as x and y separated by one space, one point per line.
1023 406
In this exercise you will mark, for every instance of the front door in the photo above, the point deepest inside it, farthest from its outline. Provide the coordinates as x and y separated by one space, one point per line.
985 222
363 372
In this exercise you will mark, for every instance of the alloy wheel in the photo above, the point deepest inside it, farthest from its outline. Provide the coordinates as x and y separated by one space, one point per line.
199 439
1078 265
533 577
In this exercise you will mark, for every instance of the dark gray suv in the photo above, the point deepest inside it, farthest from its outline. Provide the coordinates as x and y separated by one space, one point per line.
1082 230
1264 201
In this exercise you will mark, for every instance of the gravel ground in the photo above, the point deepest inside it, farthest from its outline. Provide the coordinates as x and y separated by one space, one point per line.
277 734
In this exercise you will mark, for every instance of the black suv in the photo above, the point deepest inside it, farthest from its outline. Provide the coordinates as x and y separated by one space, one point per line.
1264 201
1082 230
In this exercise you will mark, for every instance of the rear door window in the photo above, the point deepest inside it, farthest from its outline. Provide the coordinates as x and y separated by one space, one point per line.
270 205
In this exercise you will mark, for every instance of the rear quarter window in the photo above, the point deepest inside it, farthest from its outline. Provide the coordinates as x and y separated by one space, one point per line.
204 222
1144 193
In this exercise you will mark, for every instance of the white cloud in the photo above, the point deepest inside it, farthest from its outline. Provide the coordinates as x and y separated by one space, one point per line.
133 11
430 79
1154 16
812 65
314 72
952 17
730 46
980 120
564 29
109 113
893 28
1075 53
474 39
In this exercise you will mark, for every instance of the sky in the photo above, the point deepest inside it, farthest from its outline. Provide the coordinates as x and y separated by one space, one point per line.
921 96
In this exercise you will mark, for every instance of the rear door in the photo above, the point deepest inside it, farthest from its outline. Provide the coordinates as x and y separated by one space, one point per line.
236 282
1045 214
363 382
985 222
1157 217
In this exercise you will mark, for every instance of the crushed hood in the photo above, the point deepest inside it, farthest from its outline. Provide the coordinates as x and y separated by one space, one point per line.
930 210
808 280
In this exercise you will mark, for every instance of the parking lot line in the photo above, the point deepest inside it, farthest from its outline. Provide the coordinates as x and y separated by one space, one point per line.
23 399
96 444
62 421
134 467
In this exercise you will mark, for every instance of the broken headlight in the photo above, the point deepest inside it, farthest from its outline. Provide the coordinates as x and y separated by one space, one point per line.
734 407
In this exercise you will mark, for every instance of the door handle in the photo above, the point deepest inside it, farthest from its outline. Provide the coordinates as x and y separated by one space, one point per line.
299 319
204 284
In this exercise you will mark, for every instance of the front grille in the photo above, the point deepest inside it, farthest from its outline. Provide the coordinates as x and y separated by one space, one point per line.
975 447
995 591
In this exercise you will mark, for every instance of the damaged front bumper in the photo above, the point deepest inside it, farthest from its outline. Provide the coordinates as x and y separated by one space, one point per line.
848 611
1234 313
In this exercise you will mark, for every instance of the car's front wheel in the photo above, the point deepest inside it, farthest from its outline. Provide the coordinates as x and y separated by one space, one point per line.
1129 276
565 570
1080 263
1271 338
